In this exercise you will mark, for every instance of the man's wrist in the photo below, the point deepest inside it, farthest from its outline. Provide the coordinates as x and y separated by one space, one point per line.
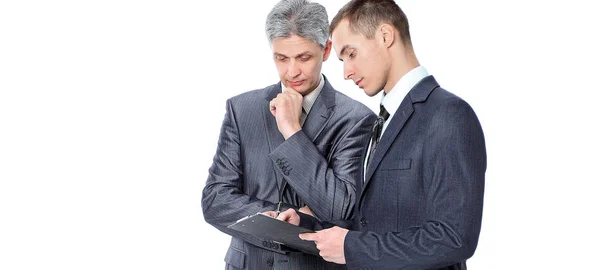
289 133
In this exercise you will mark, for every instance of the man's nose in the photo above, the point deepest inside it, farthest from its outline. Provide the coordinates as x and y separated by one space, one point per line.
294 69
348 73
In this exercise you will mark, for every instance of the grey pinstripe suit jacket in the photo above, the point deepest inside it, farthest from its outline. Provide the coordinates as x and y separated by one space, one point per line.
318 166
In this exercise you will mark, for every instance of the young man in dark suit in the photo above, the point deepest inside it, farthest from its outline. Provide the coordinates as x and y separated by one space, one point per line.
421 201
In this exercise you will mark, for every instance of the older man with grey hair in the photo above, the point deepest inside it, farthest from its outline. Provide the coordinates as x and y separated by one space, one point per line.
294 144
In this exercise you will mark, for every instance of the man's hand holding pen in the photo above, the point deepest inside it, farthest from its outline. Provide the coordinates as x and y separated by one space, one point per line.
288 214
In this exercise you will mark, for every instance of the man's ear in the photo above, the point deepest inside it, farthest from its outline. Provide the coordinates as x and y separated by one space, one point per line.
387 34
326 50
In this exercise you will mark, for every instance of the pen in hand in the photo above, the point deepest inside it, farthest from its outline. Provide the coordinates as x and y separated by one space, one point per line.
278 209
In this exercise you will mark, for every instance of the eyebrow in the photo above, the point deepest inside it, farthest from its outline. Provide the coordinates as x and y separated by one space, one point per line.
343 51
298 55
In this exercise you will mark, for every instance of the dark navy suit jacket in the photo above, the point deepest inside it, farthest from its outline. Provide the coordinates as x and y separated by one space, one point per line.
421 203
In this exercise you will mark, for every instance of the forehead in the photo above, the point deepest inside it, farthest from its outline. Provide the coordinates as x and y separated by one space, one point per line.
293 45
342 36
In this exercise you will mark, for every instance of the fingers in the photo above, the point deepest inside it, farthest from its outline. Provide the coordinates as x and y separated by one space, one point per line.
287 109
270 213
286 97
287 215
292 92
273 107
305 210
308 236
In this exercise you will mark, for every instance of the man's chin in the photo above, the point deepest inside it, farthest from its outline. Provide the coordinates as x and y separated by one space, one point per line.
301 90
294 89
370 93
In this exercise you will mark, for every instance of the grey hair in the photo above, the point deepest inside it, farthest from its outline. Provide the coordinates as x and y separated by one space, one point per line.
298 17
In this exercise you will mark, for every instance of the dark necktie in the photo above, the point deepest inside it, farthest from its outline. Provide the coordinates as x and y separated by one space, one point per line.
376 134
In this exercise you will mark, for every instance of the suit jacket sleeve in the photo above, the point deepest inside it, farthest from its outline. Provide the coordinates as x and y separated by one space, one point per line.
454 168
329 189
223 200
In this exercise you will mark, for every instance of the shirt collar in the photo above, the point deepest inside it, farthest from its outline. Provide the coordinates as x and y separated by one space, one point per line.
391 101
309 100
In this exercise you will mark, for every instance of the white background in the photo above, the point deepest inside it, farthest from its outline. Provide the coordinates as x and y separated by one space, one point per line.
110 113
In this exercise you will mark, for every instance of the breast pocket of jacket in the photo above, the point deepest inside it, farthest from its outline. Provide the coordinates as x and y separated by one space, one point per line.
398 173
396 164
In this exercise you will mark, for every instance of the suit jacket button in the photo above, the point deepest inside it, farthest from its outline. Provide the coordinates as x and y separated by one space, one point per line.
363 222
270 262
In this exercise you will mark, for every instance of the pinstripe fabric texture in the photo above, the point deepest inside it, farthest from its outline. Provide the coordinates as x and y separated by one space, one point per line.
319 166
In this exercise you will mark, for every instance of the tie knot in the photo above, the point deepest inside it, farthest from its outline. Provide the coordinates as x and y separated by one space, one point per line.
383 113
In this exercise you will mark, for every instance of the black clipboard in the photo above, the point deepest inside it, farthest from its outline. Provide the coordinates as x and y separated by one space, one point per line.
266 227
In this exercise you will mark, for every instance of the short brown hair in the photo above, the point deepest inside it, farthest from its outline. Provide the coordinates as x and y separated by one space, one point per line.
364 16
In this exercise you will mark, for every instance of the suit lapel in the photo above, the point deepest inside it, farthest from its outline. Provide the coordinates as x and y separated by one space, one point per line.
418 93
320 112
